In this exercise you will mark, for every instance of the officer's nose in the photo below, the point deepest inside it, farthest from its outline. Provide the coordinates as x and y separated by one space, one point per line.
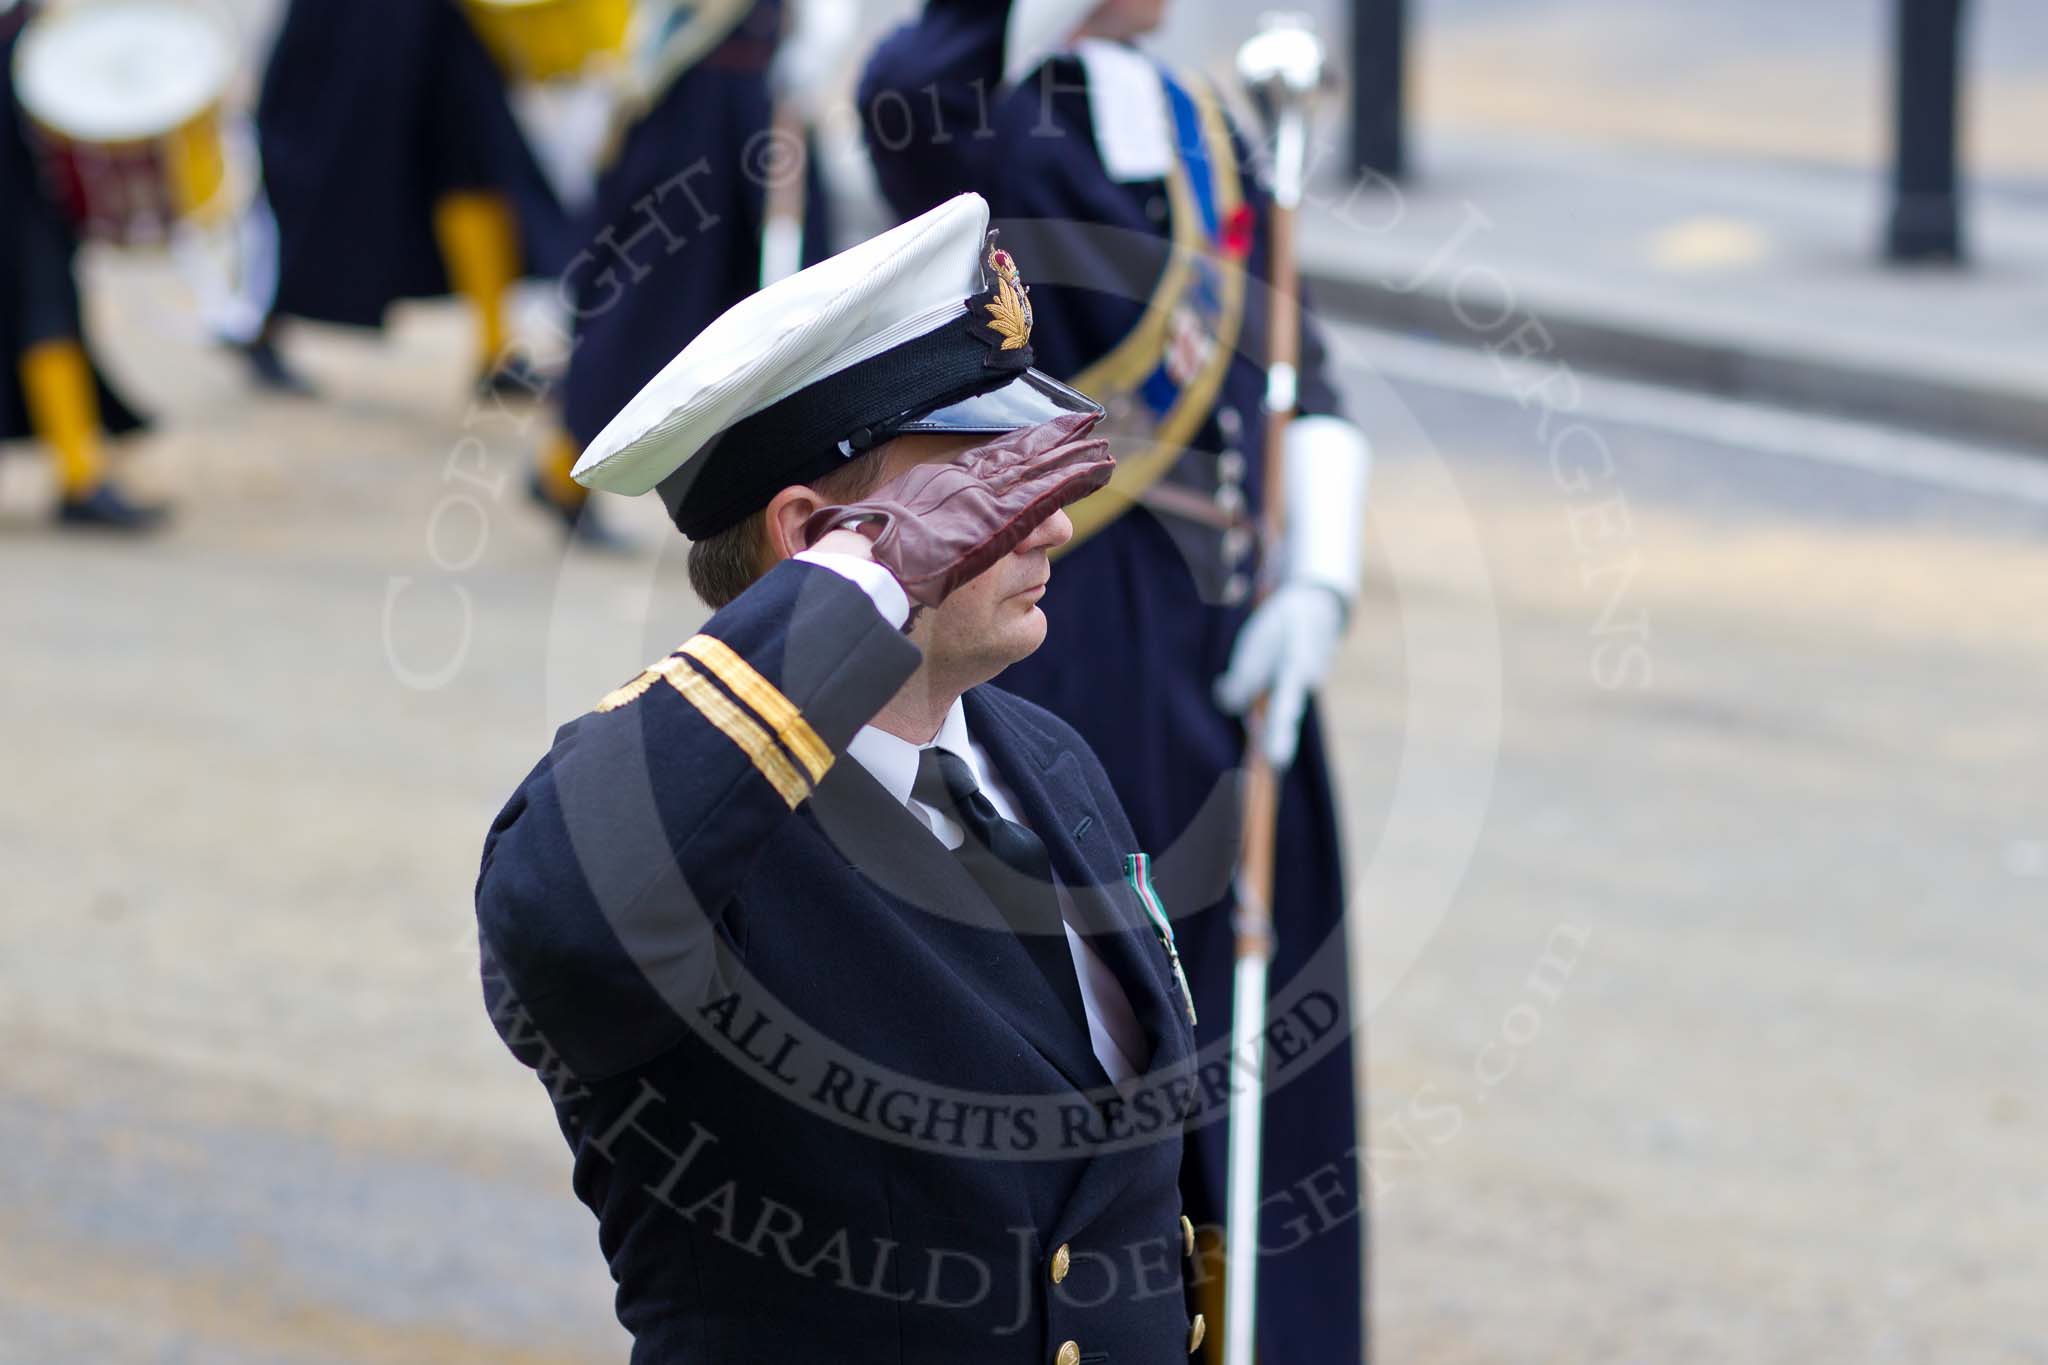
1055 531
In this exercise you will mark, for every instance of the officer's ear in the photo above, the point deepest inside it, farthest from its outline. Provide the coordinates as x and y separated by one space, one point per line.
783 527
850 482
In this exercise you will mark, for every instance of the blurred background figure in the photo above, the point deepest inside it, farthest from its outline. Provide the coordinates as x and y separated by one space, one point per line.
396 170
1128 201
49 386
675 235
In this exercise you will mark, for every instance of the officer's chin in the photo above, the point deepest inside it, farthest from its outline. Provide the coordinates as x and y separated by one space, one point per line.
1025 634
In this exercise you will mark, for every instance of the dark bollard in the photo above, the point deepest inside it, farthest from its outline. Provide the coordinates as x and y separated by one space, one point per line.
1378 62
1926 222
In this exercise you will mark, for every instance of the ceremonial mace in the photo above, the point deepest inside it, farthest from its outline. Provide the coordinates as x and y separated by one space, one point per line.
1283 68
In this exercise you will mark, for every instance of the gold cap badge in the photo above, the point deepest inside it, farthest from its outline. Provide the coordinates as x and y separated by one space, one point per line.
1010 310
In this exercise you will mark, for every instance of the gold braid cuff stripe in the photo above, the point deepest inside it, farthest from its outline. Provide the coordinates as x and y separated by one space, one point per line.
746 733
630 693
742 729
766 700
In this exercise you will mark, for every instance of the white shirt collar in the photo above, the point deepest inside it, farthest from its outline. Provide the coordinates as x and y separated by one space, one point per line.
892 760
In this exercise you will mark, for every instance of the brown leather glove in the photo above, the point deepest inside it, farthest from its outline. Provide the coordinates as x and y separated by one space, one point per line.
936 526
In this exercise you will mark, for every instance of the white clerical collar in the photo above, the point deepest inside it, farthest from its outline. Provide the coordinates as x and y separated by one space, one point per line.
892 760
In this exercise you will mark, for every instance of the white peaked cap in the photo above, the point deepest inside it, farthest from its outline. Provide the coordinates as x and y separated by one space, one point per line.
924 328
789 336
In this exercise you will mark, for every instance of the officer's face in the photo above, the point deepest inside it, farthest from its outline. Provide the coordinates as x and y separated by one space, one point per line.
994 620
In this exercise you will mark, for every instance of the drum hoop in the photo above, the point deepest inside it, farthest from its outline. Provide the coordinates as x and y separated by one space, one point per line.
44 28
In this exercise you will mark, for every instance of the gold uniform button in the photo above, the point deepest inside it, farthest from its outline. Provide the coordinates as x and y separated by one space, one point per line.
1061 1260
1187 1234
1197 1329
1070 1354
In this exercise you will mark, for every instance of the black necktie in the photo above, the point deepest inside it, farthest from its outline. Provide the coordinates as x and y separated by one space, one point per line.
1009 863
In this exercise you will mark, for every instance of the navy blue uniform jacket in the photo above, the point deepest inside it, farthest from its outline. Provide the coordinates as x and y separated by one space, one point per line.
1137 639
821 1103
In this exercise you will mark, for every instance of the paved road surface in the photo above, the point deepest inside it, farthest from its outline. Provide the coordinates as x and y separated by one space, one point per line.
1807 82
1707 1022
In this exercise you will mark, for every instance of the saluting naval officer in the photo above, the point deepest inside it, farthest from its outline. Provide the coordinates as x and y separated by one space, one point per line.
843 969
1127 187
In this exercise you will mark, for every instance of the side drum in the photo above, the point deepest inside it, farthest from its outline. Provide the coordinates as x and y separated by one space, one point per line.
124 101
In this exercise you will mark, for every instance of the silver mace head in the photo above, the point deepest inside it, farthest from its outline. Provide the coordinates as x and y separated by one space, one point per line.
1284 67
1285 62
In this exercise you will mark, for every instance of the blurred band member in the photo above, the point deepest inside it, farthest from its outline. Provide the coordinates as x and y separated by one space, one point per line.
395 170
674 236
49 386
1126 185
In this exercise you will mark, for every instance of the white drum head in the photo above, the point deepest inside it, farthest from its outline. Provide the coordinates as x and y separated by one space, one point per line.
122 70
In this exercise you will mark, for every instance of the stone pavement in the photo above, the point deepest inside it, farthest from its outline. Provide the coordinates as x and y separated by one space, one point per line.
1806 82
1736 276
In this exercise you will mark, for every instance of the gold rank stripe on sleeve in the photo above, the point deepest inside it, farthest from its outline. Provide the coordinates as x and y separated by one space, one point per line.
631 692
742 729
728 717
766 700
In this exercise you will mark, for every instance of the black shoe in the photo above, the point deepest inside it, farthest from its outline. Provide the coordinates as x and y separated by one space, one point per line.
514 378
581 524
107 508
268 369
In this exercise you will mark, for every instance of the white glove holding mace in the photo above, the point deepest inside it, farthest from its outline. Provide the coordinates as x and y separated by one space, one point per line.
1285 649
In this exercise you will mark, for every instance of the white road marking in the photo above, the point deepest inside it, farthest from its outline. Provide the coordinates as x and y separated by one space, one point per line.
1712 243
1990 471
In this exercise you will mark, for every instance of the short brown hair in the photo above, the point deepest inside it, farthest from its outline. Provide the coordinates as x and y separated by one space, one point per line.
725 564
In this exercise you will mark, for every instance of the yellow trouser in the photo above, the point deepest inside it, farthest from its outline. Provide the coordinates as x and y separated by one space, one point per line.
479 241
557 458
64 409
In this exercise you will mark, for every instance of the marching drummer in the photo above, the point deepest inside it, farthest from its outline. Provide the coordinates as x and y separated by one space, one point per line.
49 387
